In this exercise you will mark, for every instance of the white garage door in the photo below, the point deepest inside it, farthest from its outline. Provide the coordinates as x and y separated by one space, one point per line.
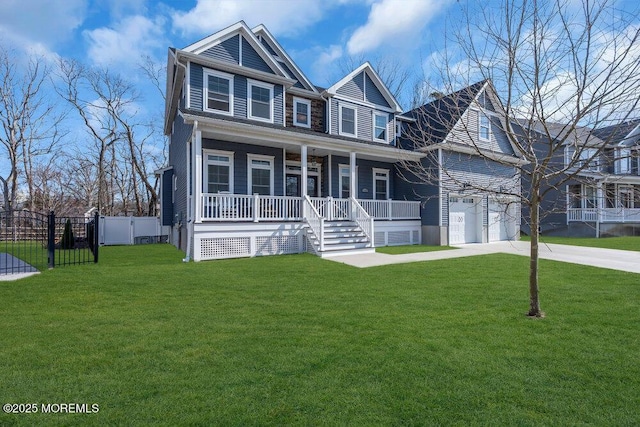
501 222
463 220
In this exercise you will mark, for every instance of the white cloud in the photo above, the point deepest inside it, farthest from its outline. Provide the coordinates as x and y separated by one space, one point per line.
325 66
126 42
393 21
41 22
281 17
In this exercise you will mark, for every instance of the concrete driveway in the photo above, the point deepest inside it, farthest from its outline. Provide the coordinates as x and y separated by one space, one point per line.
597 257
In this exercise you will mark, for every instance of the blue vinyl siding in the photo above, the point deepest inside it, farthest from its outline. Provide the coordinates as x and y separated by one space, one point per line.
166 197
413 188
240 97
228 50
373 95
178 159
354 88
363 119
251 59
240 163
196 86
278 97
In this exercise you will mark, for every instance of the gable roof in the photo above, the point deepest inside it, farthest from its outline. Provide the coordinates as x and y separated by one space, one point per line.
375 78
439 116
625 134
231 31
262 31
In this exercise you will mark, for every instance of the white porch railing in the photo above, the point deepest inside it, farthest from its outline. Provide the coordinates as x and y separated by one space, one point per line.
606 215
391 209
315 221
239 207
363 219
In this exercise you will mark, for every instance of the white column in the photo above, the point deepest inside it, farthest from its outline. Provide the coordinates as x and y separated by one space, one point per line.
353 191
197 153
303 167
330 186
599 206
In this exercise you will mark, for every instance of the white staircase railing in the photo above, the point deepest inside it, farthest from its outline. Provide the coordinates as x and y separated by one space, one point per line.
362 219
315 221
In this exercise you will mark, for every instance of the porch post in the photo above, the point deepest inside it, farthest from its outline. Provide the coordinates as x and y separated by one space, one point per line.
599 206
303 170
197 149
353 191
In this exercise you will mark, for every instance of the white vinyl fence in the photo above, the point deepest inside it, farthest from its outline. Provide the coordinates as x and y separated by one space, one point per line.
129 230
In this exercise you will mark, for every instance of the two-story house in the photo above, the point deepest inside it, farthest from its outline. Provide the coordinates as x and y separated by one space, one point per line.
471 173
261 161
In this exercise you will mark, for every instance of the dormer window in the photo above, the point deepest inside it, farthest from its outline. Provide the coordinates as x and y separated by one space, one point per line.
348 118
219 92
379 127
260 101
485 127
301 112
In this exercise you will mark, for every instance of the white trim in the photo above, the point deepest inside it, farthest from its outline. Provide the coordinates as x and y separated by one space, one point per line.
376 171
364 103
205 163
262 85
188 79
306 102
374 115
205 95
271 168
355 120
440 191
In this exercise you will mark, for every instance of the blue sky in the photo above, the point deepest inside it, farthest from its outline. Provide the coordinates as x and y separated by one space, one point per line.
318 34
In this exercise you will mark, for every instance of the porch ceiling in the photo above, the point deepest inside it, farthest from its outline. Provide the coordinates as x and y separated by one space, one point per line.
320 144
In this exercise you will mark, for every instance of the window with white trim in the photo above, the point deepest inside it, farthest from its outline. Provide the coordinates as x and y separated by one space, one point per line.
380 184
345 181
623 163
218 92
301 112
589 159
260 101
260 174
380 127
218 171
484 127
347 120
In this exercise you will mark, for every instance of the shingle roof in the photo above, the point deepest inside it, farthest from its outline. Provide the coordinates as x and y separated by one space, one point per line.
438 117
616 133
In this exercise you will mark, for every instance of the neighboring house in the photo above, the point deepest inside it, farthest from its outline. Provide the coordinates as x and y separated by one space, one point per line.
473 188
262 162
604 197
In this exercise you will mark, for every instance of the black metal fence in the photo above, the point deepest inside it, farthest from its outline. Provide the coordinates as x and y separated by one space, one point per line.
32 241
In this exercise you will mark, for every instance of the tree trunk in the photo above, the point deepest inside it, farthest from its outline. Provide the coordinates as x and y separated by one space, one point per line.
534 298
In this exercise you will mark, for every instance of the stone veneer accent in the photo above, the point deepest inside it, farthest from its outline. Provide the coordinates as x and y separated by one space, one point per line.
317 113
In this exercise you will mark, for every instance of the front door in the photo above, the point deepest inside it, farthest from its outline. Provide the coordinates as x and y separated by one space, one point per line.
312 186
293 185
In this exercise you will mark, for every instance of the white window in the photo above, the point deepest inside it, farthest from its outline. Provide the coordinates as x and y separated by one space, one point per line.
218 171
347 120
623 163
485 127
218 92
380 127
260 177
588 160
301 112
345 181
260 101
380 184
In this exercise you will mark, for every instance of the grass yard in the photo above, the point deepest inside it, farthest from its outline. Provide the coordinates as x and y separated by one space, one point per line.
627 243
300 340
410 249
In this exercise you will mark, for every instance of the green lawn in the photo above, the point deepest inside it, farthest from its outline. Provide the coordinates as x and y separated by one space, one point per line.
410 249
300 340
627 243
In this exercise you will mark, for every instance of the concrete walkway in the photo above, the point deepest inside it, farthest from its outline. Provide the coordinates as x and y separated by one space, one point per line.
605 258
10 264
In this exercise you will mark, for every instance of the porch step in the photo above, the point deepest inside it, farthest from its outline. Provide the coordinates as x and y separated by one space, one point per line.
341 238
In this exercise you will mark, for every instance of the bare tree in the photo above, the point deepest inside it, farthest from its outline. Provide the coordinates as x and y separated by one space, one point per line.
106 103
30 124
559 70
